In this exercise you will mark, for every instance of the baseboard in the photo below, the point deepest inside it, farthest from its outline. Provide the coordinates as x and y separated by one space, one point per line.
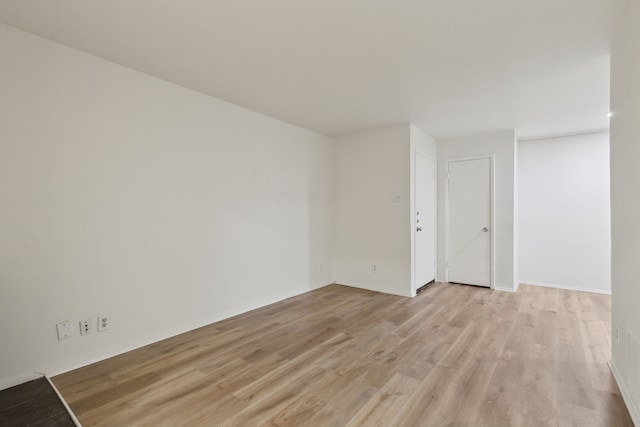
569 288
10 382
88 359
504 289
370 287
626 395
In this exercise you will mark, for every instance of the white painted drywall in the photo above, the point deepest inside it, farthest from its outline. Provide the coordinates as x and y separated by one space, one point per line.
126 195
565 230
502 146
371 212
625 203
516 214
424 144
374 207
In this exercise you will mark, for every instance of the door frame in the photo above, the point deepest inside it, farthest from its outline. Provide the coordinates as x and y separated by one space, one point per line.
492 227
417 152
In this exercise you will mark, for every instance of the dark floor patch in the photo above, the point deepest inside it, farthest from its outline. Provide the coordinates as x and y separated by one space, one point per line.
34 403
423 287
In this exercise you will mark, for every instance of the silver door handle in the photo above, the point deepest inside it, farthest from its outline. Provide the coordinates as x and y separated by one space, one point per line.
485 229
419 229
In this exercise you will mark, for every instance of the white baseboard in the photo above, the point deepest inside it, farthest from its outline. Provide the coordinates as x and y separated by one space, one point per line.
504 289
569 288
370 287
626 395
10 382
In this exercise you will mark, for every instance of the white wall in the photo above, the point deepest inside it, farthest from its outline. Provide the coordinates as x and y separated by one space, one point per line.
625 204
424 144
516 214
565 232
127 195
502 146
372 218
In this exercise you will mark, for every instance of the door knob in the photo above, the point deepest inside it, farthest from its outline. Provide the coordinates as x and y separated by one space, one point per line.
419 229
485 229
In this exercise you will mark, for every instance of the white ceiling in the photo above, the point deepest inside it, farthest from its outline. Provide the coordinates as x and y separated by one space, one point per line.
451 67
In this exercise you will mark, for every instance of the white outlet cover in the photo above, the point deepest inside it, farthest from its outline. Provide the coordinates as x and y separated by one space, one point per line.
87 327
104 322
64 330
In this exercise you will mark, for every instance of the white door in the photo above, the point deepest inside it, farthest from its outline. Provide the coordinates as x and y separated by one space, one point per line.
469 221
425 220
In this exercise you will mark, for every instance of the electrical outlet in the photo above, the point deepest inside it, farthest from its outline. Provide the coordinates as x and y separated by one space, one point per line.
64 330
375 268
617 335
104 322
87 327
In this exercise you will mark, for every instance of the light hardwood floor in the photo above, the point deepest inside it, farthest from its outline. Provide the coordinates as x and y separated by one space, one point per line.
453 356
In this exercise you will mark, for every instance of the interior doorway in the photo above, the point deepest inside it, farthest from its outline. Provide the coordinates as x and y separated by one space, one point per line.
468 214
424 220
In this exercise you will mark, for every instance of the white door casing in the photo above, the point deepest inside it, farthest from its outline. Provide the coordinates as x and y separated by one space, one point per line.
469 224
424 220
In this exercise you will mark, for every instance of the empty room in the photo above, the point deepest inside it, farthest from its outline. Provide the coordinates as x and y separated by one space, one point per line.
286 213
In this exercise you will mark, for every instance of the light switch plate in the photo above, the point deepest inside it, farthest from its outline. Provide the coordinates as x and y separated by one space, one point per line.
64 330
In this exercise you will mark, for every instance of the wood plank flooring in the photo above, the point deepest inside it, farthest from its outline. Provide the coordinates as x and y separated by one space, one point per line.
453 356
